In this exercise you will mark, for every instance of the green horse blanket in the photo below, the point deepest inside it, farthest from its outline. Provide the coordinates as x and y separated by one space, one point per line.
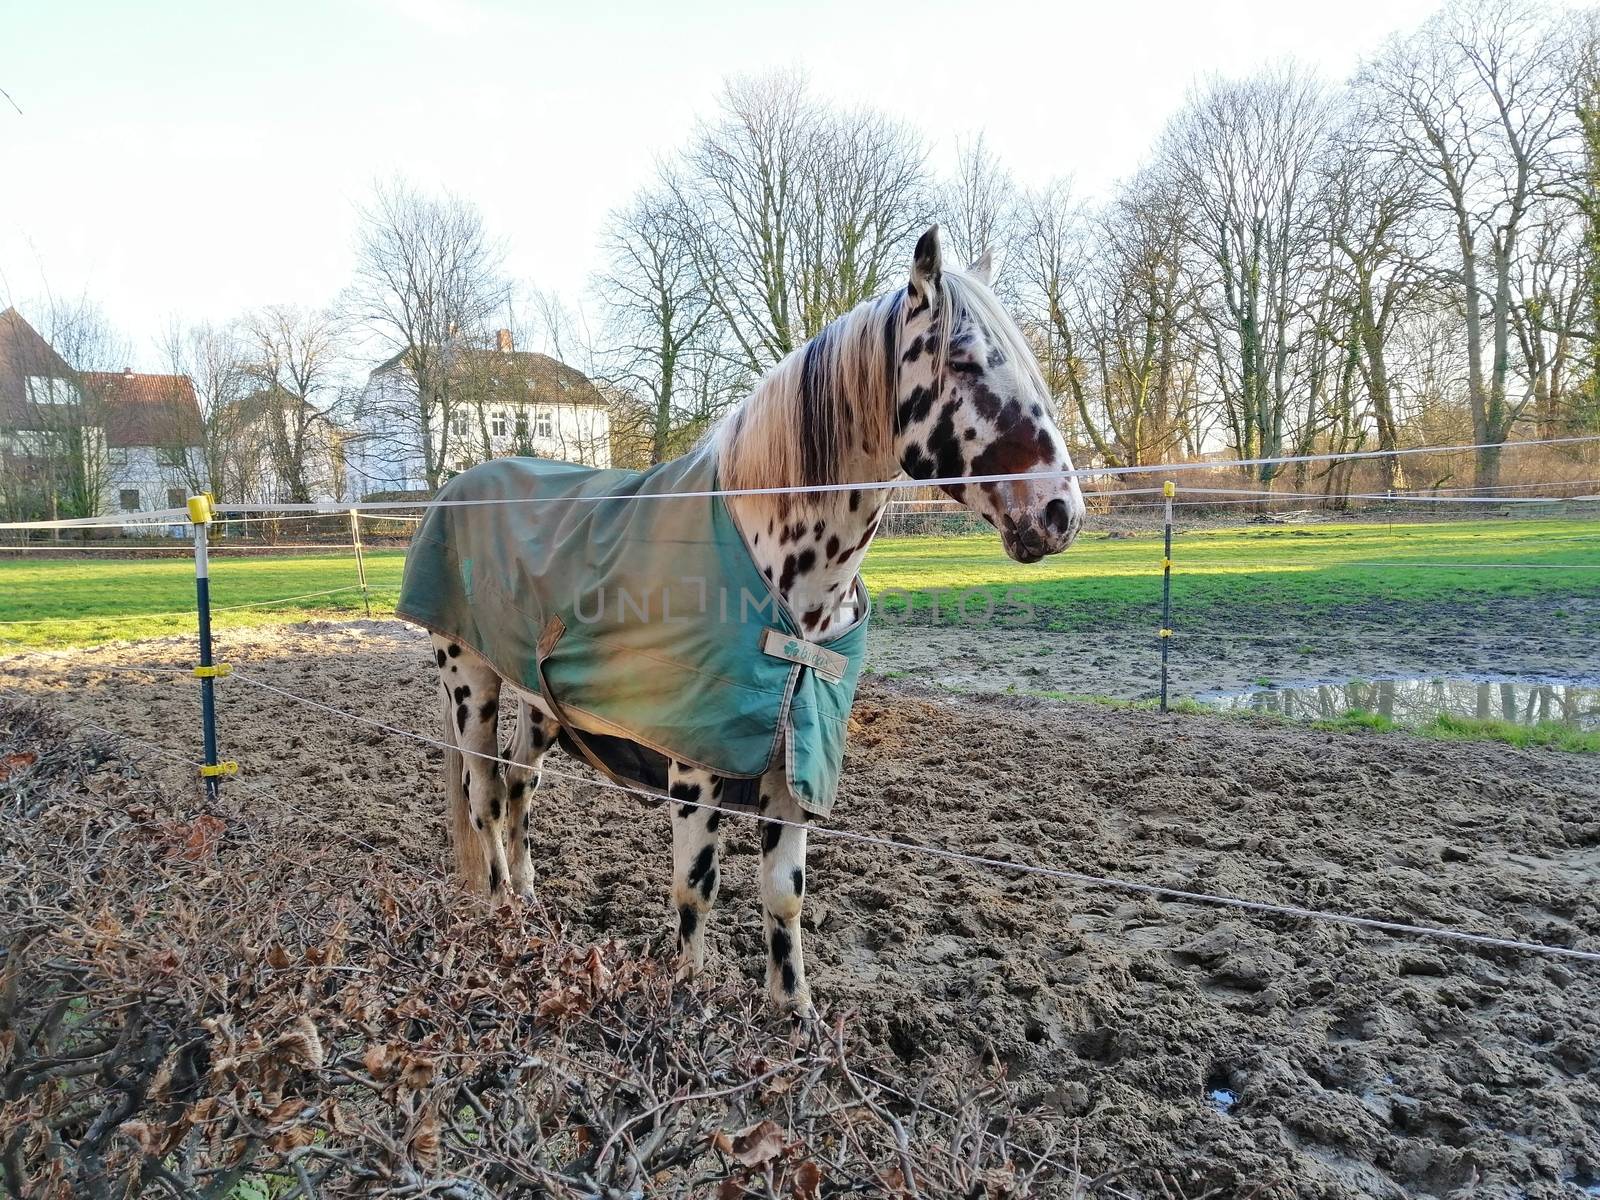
636 611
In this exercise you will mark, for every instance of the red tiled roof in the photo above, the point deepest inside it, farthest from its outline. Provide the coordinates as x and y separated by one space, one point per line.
146 410
547 380
22 353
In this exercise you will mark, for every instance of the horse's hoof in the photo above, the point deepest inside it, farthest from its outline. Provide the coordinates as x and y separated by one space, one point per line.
799 1010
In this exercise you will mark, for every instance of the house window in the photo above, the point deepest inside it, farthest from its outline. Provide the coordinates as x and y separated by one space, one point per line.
497 422
46 389
117 456
544 424
176 498
171 456
522 423
458 424
130 499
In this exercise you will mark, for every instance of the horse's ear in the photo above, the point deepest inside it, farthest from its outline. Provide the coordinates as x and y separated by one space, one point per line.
982 268
926 265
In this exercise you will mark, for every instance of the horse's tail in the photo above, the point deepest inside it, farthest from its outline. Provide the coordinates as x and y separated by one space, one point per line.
470 864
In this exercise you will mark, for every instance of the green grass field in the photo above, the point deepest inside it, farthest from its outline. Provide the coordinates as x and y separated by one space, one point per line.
1255 568
1259 569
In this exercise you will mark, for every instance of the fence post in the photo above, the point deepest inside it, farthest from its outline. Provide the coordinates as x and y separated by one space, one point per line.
207 672
1168 489
361 563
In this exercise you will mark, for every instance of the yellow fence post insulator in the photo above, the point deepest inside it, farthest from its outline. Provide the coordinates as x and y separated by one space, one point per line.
215 671
1169 489
200 509
215 770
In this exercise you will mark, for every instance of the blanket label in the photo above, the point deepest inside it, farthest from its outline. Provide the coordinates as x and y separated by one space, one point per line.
827 663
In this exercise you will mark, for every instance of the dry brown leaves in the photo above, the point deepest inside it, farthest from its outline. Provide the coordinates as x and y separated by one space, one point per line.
191 996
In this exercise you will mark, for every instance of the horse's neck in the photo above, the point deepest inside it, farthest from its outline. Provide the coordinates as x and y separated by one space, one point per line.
810 546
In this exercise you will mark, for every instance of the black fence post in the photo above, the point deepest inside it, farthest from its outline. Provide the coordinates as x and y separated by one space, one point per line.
208 671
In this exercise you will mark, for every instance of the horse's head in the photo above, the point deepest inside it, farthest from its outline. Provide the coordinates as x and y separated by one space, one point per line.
973 402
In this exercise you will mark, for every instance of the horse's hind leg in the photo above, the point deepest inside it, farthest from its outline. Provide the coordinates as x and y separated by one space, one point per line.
783 889
472 703
536 733
695 847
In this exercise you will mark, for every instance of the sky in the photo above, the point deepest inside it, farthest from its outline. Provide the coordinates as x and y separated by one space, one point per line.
181 161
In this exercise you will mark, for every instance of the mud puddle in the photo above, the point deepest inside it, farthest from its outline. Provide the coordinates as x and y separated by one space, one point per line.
1419 701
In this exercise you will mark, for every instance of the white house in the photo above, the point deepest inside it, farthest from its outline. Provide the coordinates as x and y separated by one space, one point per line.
502 401
88 443
152 430
307 435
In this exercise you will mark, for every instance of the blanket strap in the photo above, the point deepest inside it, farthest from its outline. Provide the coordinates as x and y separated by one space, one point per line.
553 629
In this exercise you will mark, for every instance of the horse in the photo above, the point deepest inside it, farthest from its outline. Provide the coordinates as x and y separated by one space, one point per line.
932 380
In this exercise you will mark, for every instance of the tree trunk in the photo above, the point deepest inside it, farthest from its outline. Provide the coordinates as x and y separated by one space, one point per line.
1378 387
1487 470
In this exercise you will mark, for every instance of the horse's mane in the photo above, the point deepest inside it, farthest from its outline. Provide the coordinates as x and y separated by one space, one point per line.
833 399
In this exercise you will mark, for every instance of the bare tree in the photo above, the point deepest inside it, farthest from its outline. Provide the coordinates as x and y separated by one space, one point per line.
212 451
1243 154
1384 251
1134 301
427 282
80 469
293 357
1050 267
978 209
1478 103
660 315
1586 195
1548 322
794 212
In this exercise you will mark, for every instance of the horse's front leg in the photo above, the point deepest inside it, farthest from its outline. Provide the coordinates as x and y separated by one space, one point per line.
696 845
536 733
783 889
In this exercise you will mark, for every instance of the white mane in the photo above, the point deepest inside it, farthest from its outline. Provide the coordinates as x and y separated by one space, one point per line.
832 401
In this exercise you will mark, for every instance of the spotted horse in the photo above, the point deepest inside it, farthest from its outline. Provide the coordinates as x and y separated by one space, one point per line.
698 638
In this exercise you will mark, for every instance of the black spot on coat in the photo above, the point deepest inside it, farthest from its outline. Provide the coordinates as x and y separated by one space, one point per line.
916 406
704 864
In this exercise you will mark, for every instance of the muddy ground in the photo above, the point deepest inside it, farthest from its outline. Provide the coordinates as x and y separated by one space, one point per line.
1542 638
1245 1055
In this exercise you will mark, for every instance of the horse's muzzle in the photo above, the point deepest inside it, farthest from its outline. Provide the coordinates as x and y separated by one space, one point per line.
1028 537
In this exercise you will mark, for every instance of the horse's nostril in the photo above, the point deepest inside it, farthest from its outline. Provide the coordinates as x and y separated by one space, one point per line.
1058 515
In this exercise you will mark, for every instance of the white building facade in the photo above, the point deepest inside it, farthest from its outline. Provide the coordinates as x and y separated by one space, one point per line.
504 402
